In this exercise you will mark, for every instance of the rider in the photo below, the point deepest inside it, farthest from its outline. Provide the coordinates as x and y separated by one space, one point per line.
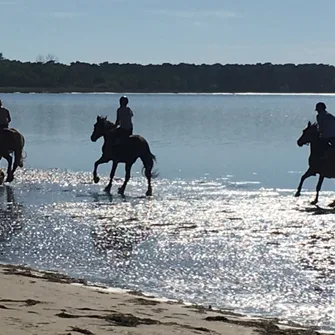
123 119
326 125
5 118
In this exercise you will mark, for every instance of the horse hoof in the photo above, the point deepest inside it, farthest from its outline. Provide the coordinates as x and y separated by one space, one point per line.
96 179
314 202
332 204
120 191
9 179
148 193
297 194
107 189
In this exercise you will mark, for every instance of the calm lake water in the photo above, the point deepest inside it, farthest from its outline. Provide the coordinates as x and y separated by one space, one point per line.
222 227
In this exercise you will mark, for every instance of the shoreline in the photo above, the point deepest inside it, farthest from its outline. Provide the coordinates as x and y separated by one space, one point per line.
46 302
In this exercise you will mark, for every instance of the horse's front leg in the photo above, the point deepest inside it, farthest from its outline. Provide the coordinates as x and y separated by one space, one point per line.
10 175
127 177
306 175
111 176
101 160
318 188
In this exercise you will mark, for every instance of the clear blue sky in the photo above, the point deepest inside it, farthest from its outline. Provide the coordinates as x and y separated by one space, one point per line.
173 31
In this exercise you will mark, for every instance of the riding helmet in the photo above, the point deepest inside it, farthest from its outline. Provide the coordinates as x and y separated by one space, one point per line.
124 101
320 106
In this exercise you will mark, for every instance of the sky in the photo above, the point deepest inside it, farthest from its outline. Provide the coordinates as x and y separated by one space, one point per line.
169 31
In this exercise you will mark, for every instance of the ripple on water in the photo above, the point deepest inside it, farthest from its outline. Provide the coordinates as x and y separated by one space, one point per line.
228 244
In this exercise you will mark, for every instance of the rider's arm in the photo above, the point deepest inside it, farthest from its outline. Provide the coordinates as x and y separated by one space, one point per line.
117 122
8 116
320 123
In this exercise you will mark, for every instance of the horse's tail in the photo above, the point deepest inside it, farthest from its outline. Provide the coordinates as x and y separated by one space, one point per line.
23 156
149 160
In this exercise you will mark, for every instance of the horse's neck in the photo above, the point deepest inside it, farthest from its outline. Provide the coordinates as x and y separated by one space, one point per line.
316 147
108 133
106 136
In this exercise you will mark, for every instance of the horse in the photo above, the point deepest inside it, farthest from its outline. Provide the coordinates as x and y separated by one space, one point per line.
12 141
128 151
321 161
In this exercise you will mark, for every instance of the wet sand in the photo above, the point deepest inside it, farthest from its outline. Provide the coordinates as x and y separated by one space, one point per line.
36 302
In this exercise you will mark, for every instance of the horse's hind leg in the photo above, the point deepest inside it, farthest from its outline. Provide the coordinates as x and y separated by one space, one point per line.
10 176
127 177
306 175
147 172
318 188
148 175
18 161
111 176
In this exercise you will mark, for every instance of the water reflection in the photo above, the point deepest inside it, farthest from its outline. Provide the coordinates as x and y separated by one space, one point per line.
10 213
317 253
118 241
255 250
98 197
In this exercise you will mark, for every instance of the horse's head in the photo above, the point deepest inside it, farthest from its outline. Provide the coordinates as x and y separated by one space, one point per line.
309 134
101 127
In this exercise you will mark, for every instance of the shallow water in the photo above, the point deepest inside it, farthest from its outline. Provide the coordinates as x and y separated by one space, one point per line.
222 228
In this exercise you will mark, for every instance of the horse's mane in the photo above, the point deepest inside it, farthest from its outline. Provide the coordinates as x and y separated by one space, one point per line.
108 124
314 127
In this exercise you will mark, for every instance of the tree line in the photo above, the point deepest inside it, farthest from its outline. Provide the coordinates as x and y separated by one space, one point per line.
52 76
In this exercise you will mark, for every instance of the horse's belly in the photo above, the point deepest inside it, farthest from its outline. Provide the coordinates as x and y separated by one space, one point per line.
327 172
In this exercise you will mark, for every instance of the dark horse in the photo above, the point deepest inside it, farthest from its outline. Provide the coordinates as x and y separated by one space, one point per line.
128 151
321 161
11 141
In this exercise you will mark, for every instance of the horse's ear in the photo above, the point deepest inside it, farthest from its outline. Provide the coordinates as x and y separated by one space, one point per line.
309 124
105 118
98 118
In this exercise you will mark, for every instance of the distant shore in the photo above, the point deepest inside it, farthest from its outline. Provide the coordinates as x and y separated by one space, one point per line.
40 302
21 90
55 77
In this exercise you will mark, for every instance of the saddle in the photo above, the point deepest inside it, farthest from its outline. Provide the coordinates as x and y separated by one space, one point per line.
120 141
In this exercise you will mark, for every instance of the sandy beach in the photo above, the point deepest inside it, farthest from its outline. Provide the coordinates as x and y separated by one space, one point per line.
36 302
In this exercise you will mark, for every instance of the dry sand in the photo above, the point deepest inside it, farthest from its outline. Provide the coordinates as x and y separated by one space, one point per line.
34 302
